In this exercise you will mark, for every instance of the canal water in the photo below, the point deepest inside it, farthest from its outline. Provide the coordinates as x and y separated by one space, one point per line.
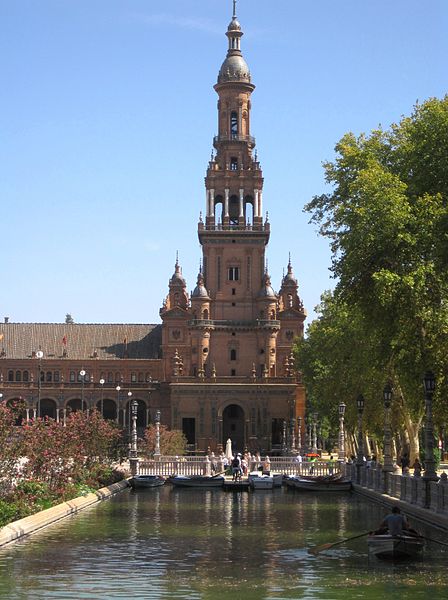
211 544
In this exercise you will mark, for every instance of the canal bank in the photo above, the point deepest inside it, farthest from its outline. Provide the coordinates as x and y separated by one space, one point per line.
190 544
14 531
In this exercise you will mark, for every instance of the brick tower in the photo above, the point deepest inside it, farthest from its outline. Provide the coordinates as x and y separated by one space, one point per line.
227 353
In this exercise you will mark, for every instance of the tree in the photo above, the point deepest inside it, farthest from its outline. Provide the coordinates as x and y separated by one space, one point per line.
172 442
387 220
69 319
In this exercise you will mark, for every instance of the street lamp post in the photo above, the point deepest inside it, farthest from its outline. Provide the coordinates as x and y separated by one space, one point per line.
430 465
341 450
157 448
102 382
133 459
284 437
293 434
360 455
39 356
388 465
299 433
118 388
314 432
83 374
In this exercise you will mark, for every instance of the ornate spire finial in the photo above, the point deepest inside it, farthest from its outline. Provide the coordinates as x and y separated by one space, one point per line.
234 9
177 257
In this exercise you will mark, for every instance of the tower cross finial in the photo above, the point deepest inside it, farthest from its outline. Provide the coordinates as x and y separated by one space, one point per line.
234 9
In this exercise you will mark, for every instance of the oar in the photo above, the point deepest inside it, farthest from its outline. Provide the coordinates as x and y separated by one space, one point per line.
432 540
322 547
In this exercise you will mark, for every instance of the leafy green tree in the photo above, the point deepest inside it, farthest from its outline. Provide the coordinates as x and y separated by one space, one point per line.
387 221
172 442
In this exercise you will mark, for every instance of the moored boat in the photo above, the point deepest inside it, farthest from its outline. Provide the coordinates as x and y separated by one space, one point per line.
328 483
389 547
147 481
258 481
197 481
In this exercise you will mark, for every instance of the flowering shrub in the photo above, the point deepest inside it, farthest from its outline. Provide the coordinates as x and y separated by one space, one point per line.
44 462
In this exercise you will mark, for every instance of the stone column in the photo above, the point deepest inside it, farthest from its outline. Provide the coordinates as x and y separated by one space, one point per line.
226 202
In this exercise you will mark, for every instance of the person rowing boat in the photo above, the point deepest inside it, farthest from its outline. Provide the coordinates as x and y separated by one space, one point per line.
395 524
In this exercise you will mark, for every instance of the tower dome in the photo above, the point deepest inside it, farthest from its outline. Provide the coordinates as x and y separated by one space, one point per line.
234 67
200 290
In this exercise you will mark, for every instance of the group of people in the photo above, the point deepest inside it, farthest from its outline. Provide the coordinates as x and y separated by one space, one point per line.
239 464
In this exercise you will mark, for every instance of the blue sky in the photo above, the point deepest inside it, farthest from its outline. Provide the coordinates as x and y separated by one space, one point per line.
106 124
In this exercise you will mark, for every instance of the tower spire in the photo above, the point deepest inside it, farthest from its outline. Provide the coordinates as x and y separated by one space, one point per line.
234 9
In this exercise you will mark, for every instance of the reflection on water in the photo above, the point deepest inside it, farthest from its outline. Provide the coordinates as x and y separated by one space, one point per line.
204 544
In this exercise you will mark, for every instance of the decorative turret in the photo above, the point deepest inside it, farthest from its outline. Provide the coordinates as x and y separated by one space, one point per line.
177 296
200 300
289 298
234 180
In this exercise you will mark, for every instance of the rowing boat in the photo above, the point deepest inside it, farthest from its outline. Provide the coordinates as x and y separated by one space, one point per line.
400 547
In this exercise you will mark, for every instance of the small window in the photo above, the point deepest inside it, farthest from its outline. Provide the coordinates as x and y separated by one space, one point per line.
49 377
133 377
233 303
141 378
26 376
233 291
110 377
233 372
234 163
72 376
234 273
10 375
233 354
56 377
18 376
117 377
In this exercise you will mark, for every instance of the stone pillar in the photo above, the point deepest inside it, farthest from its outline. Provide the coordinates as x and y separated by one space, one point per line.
226 203
241 215
256 214
212 203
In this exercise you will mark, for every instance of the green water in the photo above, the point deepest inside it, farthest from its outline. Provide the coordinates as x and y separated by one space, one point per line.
211 544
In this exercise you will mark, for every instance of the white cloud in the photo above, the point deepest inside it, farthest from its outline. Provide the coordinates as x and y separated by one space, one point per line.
163 19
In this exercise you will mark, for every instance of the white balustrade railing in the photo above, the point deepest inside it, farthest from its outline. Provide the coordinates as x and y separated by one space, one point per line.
198 465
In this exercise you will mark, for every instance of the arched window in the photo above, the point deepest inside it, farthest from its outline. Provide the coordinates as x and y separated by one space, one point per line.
233 354
18 376
110 377
234 123
141 378
205 315
72 376
234 163
133 377
10 375
26 376
49 377
117 377
56 377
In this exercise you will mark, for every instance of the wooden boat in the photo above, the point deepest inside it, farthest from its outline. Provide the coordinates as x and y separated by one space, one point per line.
325 483
259 481
197 481
147 481
278 479
388 547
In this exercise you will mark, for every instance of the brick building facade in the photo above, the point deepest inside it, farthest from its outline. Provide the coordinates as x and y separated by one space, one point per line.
219 366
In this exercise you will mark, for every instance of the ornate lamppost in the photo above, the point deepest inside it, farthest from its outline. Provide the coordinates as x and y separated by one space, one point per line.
118 388
292 427
102 382
133 458
430 464
341 449
157 448
83 374
39 356
284 437
388 465
360 454
314 432
299 433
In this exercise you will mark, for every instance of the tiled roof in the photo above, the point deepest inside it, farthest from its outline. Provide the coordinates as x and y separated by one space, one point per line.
81 341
